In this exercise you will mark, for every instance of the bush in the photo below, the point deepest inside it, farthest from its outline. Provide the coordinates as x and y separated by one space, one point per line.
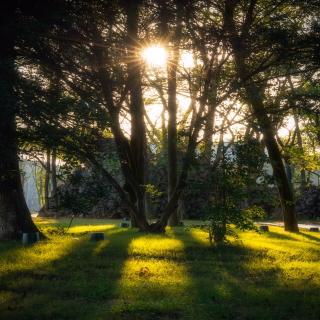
309 203
228 203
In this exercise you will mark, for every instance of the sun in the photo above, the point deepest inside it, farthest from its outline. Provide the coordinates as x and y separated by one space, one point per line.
155 56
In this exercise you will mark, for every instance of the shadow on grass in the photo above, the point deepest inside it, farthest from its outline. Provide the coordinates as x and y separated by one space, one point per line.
279 236
288 236
310 237
236 282
154 284
77 285
186 279
8 246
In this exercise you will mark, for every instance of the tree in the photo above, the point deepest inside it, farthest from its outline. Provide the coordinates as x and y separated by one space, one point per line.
15 217
242 51
172 39
115 87
235 171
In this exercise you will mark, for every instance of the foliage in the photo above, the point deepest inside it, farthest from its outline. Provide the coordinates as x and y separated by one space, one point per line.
83 190
306 159
230 183
152 191
84 187
308 204
221 221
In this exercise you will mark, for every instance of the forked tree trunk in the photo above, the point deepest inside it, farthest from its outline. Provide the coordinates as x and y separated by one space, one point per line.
132 153
172 205
128 192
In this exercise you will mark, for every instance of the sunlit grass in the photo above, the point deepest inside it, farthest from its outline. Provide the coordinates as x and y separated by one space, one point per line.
17 258
296 255
88 223
133 275
153 280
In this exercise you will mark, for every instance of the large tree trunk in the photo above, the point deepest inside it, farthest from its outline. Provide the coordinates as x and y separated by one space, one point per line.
173 51
285 190
9 225
132 153
138 129
255 98
172 134
15 217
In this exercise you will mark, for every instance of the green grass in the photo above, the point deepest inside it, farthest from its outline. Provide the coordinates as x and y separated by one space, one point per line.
133 275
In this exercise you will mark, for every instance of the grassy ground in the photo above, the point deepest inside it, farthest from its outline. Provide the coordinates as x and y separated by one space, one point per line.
132 275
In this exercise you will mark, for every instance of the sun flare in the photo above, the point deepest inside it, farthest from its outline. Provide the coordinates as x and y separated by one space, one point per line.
187 60
155 56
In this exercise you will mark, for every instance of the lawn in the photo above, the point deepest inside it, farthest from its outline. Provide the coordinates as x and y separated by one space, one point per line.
133 275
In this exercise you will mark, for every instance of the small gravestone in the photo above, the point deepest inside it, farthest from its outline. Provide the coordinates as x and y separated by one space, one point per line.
97 236
264 228
314 229
125 223
30 238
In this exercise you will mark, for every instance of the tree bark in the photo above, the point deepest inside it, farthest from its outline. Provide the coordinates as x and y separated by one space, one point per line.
208 134
172 46
303 180
289 172
132 153
15 217
317 125
47 181
138 129
172 134
284 188
54 178
172 205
